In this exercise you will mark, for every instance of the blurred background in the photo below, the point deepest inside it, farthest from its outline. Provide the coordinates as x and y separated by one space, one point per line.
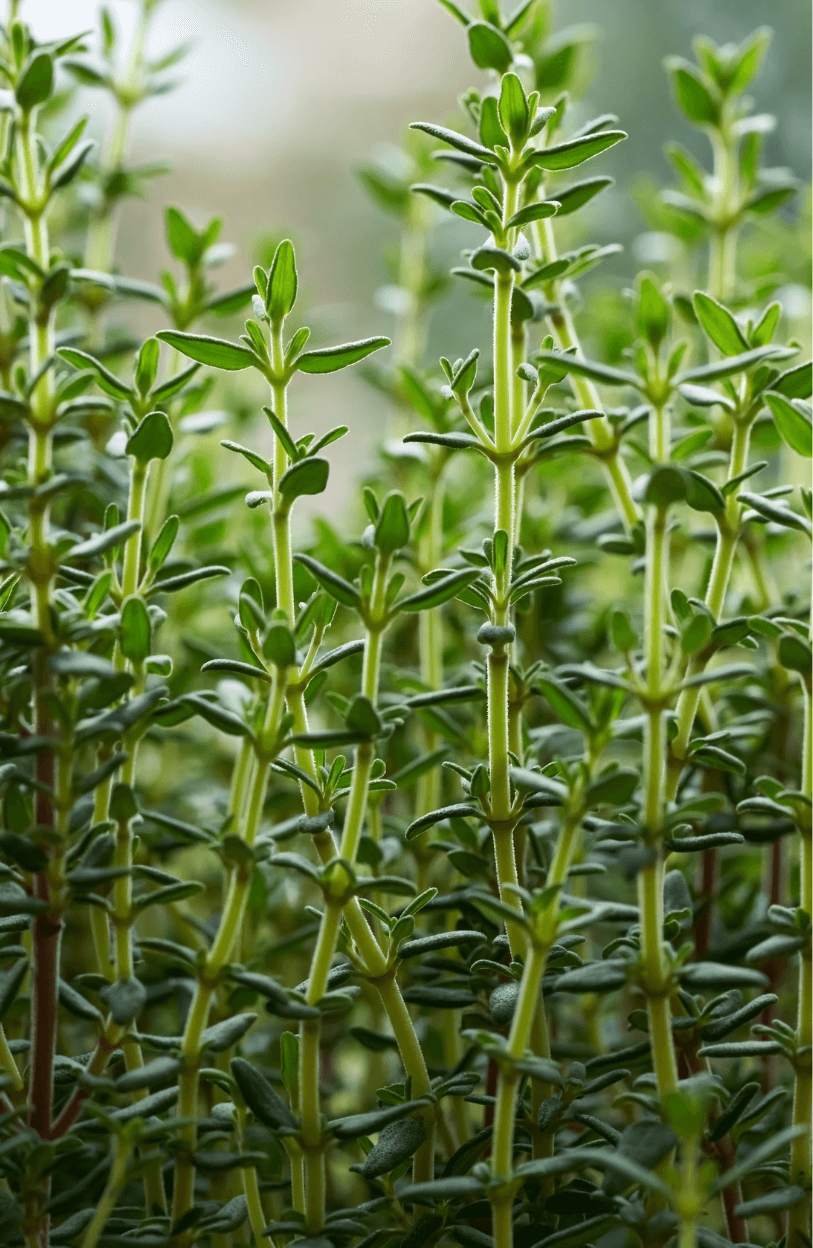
279 103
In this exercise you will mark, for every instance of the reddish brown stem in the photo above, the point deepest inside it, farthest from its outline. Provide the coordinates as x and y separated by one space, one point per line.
736 1226
73 1108
46 940
708 881
47 935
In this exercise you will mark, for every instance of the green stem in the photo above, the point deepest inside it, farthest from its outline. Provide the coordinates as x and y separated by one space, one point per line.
414 1063
430 652
112 1191
229 929
281 523
525 1022
688 1202
655 979
101 237
799 1218
135 511
599 431
723 241
312 1142
655 973
411 333
719 577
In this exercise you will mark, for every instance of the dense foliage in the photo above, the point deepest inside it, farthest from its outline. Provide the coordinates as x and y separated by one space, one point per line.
448 881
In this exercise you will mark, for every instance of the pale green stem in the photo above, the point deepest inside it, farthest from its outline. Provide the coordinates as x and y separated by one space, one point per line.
688 1199
655 978
161 470
312 1143
525 1021
725 549
111 1193
799 1221
281 523
251 1189
131 572
229 929
41 347
414 1063
723 241
411 334
102 230
655 975
430 651
599 431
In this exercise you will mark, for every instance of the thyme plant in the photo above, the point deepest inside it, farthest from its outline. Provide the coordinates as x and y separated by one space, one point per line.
447 880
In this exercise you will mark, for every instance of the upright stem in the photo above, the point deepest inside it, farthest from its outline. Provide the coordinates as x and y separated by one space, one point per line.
497 665
723 242
410 338
655 973
281 524
220 953
48 924
110 1195
101 239
598 431
430 652
526 1015
312 1142
799 1221
689 1199
724 551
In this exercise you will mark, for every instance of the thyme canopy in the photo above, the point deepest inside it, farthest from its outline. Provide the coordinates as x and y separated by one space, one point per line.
447 881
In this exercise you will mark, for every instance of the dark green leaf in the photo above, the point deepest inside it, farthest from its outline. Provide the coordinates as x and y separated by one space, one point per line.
330 359
489 47
719 324
458 811
36 83
261 1098
125 999
308 476
792 423
396 1142
454 139
215 352
579 193
336 585
136 631
152 439
691 93
438 592
282 283
576 151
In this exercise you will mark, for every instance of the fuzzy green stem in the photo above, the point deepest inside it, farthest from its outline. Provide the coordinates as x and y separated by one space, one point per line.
655 979
135 511
688 1202
312 1143
281 523
598 431
221 951
525 1021
799 1218
723 241
101 237
414 1063
719 577
655 975
430 653
111 1193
